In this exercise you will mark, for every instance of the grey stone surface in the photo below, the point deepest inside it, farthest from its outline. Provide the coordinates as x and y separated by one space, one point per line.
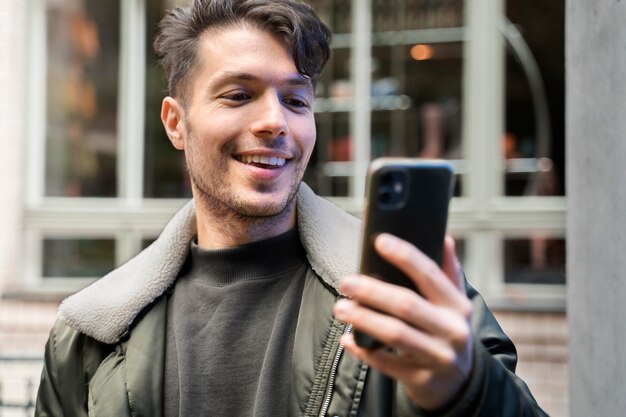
596 188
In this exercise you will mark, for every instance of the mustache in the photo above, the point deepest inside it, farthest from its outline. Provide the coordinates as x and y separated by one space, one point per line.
280 145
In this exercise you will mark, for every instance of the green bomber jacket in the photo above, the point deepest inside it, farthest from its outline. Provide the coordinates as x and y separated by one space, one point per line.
105 354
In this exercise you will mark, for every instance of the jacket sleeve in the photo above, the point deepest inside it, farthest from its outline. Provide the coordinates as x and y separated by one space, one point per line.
48 398
493 388
70 360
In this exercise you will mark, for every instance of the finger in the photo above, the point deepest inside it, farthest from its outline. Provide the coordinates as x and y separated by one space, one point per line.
431 387
451 265
394 333
397 366
406 305
423 271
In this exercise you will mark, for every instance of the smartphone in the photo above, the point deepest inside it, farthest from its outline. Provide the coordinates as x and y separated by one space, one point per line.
408 198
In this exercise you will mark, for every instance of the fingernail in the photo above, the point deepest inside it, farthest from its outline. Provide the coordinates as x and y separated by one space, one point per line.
348 284
386 242
341 308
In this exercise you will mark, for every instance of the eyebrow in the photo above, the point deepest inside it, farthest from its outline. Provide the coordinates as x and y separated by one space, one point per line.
294 81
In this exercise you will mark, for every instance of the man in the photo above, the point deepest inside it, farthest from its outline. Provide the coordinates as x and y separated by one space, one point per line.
238 308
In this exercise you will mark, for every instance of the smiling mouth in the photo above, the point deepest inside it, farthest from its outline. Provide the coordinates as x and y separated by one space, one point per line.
262 161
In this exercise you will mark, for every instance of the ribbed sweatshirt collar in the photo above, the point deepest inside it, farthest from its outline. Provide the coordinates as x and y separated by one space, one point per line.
255 260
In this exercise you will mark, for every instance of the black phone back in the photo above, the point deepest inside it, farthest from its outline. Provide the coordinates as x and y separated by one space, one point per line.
407 198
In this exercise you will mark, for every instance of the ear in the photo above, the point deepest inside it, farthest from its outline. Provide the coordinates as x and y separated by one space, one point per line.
173 118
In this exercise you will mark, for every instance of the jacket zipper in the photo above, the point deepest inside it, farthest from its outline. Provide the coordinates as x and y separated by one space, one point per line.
333 374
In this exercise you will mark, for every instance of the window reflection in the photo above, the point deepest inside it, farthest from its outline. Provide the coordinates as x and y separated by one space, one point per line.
165 171
533 143
539 259
419 102
82 83
78 258
416 111
334 13
416 14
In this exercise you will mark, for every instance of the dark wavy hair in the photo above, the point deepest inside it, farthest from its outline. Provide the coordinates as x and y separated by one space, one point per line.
295 23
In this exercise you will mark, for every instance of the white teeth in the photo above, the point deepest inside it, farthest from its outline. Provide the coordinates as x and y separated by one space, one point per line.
266 160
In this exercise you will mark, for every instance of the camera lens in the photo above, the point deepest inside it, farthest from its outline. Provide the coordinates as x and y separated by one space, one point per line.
385 196
386 178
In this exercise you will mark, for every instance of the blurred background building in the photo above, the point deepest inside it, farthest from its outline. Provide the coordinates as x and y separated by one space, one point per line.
88 177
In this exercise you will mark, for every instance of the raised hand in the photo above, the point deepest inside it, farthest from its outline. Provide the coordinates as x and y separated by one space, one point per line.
427 335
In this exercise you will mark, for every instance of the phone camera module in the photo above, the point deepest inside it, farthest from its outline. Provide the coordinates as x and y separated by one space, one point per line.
391 189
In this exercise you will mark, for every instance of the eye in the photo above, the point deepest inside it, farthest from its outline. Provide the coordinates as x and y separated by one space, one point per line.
237 96
296 102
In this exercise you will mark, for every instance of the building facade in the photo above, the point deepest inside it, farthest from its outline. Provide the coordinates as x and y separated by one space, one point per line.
89 177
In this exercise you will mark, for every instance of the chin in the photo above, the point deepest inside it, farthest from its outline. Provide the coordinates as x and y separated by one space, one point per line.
264 209
247 202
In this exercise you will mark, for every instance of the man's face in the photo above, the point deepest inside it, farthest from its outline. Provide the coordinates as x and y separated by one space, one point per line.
248 128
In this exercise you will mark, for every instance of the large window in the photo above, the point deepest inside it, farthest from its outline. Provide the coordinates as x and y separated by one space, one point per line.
478 84
82 44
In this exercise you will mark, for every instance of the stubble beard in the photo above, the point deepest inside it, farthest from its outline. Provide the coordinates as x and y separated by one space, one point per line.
231 211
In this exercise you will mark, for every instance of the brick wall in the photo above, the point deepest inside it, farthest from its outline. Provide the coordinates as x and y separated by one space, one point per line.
24 326
541 340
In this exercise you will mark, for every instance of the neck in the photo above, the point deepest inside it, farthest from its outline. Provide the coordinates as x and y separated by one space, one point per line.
225 229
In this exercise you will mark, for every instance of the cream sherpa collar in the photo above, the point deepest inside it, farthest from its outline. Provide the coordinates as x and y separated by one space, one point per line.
106 309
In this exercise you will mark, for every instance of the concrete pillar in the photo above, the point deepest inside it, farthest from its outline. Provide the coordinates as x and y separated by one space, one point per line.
596 189
13 47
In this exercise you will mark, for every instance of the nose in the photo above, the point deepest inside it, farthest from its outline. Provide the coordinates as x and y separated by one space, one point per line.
270 121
